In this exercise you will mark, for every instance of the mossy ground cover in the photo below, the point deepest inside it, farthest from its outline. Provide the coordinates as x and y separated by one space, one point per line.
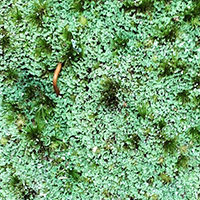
127 123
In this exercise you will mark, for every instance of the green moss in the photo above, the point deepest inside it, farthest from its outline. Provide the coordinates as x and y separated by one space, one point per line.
168 31
34 130
170 145
143 110
66 34
41 103
195 133
196 81
5 40
16 14
196 100
21 190
168 66
74 174
131 142
192 11
154 197
78 5
182 161
39 10
42 46
142 6
10 75
109 91
183 96
72 50
166 179
162 123
120 41
12 106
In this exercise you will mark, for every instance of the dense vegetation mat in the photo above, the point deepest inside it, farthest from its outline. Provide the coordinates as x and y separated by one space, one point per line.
126 124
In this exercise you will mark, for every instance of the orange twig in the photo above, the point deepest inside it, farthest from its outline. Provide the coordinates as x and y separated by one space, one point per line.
55 77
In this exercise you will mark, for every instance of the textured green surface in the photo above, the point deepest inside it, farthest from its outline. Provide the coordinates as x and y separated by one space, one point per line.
128 123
